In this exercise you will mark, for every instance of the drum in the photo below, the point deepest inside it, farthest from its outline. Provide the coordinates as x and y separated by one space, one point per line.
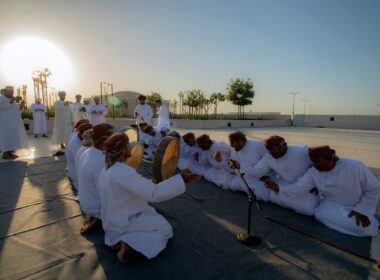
137 152
165 158
132 134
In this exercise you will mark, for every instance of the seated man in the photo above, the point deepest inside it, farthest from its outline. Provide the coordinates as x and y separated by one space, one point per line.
350 192
90 168
188 148
152 139
217 155
132 226
72 147
87 142
246 153
285 165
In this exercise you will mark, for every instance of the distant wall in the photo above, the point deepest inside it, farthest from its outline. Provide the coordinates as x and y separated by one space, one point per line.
186 124
338 121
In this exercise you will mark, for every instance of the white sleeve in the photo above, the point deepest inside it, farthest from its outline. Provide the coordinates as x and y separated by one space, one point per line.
4 104
260 169
144 188
150 112
302 186
371 192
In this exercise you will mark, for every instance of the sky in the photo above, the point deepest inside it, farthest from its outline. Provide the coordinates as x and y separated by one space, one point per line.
327 50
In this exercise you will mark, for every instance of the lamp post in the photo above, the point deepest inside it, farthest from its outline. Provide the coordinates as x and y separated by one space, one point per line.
294 101
113 102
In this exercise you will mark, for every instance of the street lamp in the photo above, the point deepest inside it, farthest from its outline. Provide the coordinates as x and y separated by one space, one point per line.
294 101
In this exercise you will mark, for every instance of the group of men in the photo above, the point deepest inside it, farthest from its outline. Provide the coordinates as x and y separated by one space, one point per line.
341 193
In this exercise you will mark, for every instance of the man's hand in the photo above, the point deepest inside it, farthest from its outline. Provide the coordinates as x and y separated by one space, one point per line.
187 176
264 178
272 185
234 164
360 219
218 156
196 156
136 114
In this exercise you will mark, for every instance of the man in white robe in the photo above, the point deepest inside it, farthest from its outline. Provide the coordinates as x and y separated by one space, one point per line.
78 109
188 148
152 139
74 144
90 167
217 154
131 225
246 153
284 165
350 192
12 130
39 118
87 142
163 121
143 112
62 122
97 112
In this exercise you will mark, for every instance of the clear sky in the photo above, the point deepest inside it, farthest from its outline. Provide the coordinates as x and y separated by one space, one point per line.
328 50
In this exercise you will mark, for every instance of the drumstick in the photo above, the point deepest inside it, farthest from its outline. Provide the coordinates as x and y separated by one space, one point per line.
197 199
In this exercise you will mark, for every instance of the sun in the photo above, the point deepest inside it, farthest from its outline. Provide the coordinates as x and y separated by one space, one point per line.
21 56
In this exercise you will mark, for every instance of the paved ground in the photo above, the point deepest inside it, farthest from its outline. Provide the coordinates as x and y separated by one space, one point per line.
40 221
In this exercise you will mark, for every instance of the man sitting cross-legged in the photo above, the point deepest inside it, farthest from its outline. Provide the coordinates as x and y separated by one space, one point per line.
284 165
90 168
217 155
350 192
245 154
131 225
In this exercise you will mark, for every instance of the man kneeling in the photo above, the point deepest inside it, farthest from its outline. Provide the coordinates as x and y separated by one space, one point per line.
132 226
349 189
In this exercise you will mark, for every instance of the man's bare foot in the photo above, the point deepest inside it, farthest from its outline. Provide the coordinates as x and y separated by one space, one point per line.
87 227
122 255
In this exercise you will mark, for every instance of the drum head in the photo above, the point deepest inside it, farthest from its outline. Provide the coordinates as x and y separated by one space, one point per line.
132 134
137 152
165 158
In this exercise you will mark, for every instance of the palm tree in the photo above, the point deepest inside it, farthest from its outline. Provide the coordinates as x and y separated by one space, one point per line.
215 98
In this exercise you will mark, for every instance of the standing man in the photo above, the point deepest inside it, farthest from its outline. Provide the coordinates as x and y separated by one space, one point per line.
39 118
143 112
12 130
163 121
97 112
78 109
62 122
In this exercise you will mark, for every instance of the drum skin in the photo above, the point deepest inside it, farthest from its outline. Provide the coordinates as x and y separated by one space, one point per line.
133 134
165 158
137 151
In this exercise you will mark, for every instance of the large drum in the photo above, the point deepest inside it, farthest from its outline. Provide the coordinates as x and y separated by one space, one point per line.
165 158
132 134
137 152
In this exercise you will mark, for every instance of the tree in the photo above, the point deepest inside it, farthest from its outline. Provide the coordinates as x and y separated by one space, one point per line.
240 92
151 98
215 98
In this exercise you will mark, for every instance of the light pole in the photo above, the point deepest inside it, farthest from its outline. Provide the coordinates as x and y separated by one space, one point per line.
294 101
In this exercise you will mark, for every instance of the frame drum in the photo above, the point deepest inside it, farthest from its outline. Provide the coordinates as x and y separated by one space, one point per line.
165 158
137 152
132 134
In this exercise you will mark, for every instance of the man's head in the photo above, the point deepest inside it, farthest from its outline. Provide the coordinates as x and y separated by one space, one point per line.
38 100
8 91
164 131
204 142
189 139
141 99
323 158
82 128
96 100
100 133
237 140
78 98
276 146
116 148
150 130
62 95
142 126
78 123
158 103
